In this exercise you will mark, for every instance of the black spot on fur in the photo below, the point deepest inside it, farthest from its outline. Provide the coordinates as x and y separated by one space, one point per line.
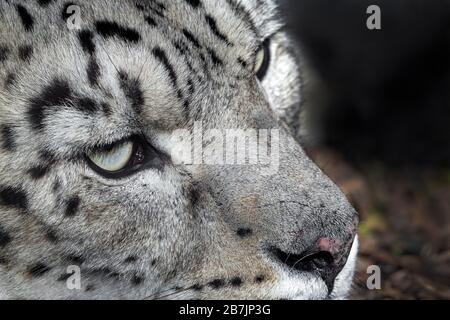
137 280
9 80
72 206
191 87
161 56
89 288
7 136
3 261
180 46
157 8
153 263
56 93
56 186
242 62
217 283
25 17
150 21
87 105
39 171
244 232
5 238
13 196
194 3
47 156
106 109
93 72
75 259
38 270
260 278
44 3
4 53
51 236
197 287
86 41
140 7
25 52
160 6
194 196
191 38
110 29
185 102
215 59
130 259
132 90
215 29
236 282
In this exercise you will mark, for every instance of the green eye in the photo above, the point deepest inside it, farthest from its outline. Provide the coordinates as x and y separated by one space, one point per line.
115 159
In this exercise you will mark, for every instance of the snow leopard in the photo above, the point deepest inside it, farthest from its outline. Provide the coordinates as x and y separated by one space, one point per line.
97 200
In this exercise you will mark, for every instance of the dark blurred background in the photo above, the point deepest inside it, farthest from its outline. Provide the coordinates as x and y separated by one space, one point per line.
378 105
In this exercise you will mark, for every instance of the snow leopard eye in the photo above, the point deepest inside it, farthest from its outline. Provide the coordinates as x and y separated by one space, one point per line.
123 158
115 159
126 157
262 62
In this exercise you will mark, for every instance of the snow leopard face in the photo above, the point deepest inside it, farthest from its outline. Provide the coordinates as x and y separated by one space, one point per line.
104 106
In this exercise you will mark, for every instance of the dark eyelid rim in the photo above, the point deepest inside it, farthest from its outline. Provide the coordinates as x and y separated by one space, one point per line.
128 169
265 45
109 146
106 148
153 159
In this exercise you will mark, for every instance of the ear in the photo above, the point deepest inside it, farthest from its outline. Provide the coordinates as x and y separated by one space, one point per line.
283 80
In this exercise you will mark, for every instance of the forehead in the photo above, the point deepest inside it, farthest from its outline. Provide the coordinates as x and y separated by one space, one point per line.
238 23
101 64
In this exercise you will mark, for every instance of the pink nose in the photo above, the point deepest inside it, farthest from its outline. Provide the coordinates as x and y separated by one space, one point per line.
328 245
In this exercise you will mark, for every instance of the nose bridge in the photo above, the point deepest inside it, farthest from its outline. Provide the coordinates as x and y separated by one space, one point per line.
294 206
290 199
309 204
294 193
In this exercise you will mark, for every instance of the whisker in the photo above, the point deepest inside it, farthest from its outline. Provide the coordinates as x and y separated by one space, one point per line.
110 59
156 294
150 297
142 68
166 293
173 293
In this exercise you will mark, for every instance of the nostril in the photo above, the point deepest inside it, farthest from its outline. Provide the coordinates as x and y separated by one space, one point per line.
307 261
319 262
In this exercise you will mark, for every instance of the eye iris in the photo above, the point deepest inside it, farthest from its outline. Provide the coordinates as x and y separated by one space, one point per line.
115 159
259 60
263 60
